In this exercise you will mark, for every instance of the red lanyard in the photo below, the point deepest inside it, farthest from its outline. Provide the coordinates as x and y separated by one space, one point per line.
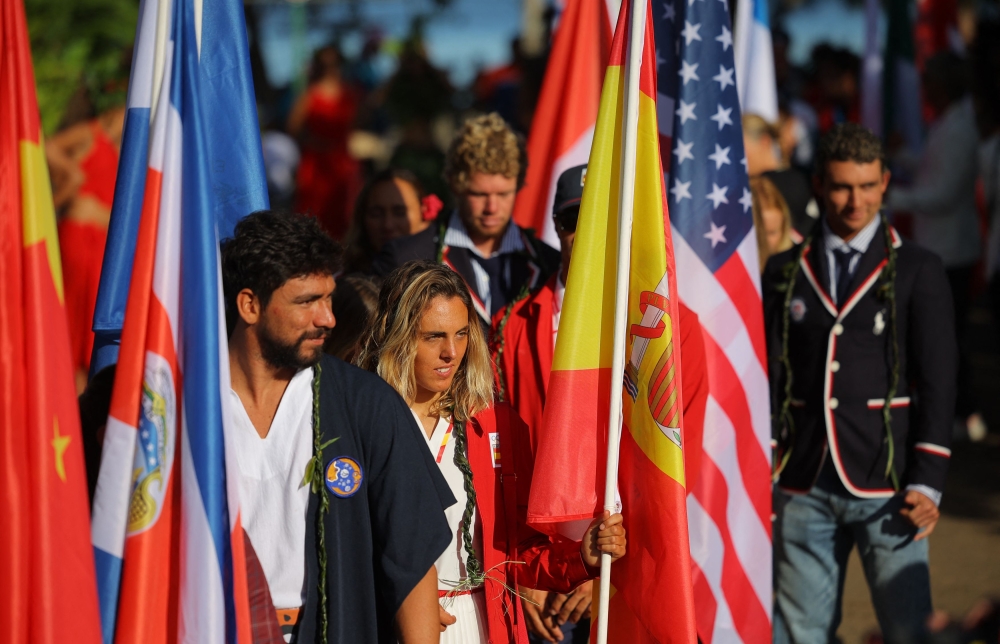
444 442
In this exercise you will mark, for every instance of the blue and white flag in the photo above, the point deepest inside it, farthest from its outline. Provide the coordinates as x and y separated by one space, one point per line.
236 165
166 529
754 55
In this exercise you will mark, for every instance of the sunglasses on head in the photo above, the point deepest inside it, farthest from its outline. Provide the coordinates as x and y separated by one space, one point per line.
566 219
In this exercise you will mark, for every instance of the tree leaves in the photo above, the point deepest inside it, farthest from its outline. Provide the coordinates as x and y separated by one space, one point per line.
82 53
314 468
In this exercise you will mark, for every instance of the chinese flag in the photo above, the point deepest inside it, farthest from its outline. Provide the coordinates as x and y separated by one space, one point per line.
47 586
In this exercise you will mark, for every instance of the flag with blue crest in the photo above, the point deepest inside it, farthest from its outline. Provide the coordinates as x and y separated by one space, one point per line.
167 532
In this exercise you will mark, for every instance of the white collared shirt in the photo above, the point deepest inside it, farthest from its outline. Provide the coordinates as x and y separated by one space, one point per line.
834 244
458 237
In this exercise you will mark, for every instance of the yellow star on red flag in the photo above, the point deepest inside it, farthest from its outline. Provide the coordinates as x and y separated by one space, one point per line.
59 445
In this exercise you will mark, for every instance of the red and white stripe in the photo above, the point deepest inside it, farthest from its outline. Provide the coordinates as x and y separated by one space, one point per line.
879 403
729 506
159 338
567 114
174 546
931 448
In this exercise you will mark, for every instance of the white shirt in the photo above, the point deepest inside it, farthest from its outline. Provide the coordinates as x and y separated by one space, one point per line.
942 196
835 244
511 242
451 564
273 503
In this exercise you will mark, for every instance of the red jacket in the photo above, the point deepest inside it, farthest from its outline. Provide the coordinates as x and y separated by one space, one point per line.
525 354
525 360
502 490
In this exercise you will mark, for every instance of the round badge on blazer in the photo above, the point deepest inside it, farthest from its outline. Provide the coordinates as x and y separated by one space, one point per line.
797 309
344 476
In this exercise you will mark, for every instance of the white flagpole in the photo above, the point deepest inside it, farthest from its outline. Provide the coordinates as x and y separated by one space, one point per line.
626 199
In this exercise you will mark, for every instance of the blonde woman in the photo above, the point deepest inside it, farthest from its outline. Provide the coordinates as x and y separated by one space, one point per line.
426 343
771 219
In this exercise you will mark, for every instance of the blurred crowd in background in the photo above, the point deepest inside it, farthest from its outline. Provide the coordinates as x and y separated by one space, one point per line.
363 151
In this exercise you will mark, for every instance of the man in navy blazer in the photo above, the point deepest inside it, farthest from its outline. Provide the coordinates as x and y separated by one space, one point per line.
863 359
500 261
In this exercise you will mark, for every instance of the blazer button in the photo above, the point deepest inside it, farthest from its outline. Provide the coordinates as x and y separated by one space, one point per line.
838 329
834 366
834 403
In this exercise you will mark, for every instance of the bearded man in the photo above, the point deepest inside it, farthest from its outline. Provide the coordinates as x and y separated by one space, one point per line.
341 502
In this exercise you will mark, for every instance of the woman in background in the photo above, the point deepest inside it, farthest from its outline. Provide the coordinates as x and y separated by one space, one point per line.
83 160
322 120
427 343
771 219
393 204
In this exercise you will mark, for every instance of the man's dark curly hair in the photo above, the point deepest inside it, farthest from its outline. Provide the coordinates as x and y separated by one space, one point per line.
268 248
848 142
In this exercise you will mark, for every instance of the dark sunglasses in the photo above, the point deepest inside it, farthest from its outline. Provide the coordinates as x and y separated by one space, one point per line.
566 219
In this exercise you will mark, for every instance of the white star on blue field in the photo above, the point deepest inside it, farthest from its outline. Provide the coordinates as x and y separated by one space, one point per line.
707 182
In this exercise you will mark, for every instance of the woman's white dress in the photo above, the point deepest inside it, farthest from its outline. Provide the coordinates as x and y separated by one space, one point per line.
469 609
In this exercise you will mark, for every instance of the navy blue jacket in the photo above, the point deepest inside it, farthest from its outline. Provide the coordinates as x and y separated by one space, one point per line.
529 269
385 531
840 360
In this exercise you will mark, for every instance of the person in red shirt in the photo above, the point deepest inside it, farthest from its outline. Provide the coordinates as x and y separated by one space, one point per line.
427 343
322 119
83 160
524 339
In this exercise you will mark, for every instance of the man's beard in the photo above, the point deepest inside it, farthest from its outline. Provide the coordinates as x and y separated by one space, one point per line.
282 355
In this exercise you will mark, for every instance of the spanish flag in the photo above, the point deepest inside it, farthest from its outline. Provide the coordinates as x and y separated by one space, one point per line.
651 586
48 592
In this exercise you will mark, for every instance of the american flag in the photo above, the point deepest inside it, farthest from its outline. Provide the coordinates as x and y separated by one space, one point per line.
729 505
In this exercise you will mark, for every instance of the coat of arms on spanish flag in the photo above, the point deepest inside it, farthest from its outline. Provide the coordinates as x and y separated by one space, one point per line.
652 598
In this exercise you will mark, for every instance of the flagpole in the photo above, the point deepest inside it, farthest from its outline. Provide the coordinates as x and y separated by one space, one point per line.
626 199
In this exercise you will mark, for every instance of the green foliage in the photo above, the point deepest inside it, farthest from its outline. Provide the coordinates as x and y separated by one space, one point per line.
80 46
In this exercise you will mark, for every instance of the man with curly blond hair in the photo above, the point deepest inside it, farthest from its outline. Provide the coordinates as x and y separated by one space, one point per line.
500 261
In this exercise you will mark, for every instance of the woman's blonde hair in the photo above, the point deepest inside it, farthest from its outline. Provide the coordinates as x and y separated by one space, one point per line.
390 346
485 144
766 195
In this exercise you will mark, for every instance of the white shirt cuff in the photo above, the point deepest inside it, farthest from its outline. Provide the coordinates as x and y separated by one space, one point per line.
929 492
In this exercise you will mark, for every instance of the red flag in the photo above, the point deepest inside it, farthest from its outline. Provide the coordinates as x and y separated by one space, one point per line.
563 125
48 591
